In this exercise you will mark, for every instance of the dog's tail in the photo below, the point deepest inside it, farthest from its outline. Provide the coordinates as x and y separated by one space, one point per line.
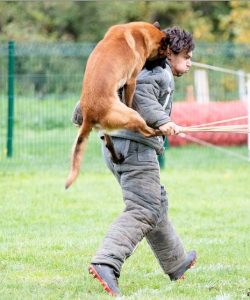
77 152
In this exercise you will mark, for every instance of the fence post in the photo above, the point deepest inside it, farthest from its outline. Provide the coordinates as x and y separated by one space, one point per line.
242 85
11 62
201 86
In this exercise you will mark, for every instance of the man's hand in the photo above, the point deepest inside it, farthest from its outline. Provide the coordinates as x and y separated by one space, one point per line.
170 128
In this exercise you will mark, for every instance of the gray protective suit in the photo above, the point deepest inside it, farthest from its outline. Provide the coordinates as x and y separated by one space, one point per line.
146 203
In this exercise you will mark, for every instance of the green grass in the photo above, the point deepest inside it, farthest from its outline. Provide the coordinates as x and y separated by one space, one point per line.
48 235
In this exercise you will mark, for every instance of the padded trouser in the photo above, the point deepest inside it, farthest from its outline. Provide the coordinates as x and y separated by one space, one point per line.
145 213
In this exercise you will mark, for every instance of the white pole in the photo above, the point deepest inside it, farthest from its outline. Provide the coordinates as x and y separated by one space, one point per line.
242 85
248 107
201 86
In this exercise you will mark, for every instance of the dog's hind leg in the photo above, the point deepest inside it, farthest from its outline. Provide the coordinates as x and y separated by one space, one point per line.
77 152
120 116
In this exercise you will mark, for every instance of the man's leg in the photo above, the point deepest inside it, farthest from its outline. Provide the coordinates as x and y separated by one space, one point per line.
167 246
140 183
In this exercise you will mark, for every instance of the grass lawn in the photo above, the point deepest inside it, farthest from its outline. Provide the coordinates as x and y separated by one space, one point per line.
48 235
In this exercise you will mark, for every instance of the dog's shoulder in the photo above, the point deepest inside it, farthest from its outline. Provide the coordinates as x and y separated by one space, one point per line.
133 27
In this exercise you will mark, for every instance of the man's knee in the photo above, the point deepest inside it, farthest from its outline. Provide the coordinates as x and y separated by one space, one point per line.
147 214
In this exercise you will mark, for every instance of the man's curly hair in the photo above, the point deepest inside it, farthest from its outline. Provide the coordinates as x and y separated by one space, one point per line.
179 40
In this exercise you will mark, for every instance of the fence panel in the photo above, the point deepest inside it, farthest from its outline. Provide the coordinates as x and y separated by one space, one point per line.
48 79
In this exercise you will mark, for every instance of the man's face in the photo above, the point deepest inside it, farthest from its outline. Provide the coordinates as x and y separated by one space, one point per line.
180 63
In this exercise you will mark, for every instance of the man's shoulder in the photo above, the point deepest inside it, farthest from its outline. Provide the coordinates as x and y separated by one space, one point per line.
163 77
155 71
158 75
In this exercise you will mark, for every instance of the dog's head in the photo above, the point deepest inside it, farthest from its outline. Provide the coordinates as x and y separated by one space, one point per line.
164 43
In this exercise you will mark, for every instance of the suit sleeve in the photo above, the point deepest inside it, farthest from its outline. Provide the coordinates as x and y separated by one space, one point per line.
149 91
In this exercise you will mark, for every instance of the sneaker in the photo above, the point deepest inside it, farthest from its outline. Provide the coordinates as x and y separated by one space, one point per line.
77 115
107 276
188 263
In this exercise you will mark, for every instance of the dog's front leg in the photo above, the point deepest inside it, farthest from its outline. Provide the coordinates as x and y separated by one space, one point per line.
129 90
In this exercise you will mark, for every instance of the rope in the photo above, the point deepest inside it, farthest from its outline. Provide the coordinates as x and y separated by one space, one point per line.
222 121
241 129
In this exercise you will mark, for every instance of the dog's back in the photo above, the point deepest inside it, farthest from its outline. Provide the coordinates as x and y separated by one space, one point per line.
120 55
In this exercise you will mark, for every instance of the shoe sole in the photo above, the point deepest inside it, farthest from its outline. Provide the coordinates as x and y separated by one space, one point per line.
95 275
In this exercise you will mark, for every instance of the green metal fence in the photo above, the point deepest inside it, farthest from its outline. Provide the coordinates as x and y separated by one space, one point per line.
46 82
37 101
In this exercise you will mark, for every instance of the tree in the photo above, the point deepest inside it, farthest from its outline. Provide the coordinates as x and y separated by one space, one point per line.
236 26
89 20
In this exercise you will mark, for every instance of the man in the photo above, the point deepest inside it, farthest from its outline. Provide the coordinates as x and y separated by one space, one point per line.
146 203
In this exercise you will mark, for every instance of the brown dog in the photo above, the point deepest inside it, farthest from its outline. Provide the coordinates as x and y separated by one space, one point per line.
115 62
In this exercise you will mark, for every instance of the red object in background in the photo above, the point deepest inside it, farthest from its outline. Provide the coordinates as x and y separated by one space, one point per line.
189 114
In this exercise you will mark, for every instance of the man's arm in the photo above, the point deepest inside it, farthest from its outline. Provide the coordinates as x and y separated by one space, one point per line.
151 87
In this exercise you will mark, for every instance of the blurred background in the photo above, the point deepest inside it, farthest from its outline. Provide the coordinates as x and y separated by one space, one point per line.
41 71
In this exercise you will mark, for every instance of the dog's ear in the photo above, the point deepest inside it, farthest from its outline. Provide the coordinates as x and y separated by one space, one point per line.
157 25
